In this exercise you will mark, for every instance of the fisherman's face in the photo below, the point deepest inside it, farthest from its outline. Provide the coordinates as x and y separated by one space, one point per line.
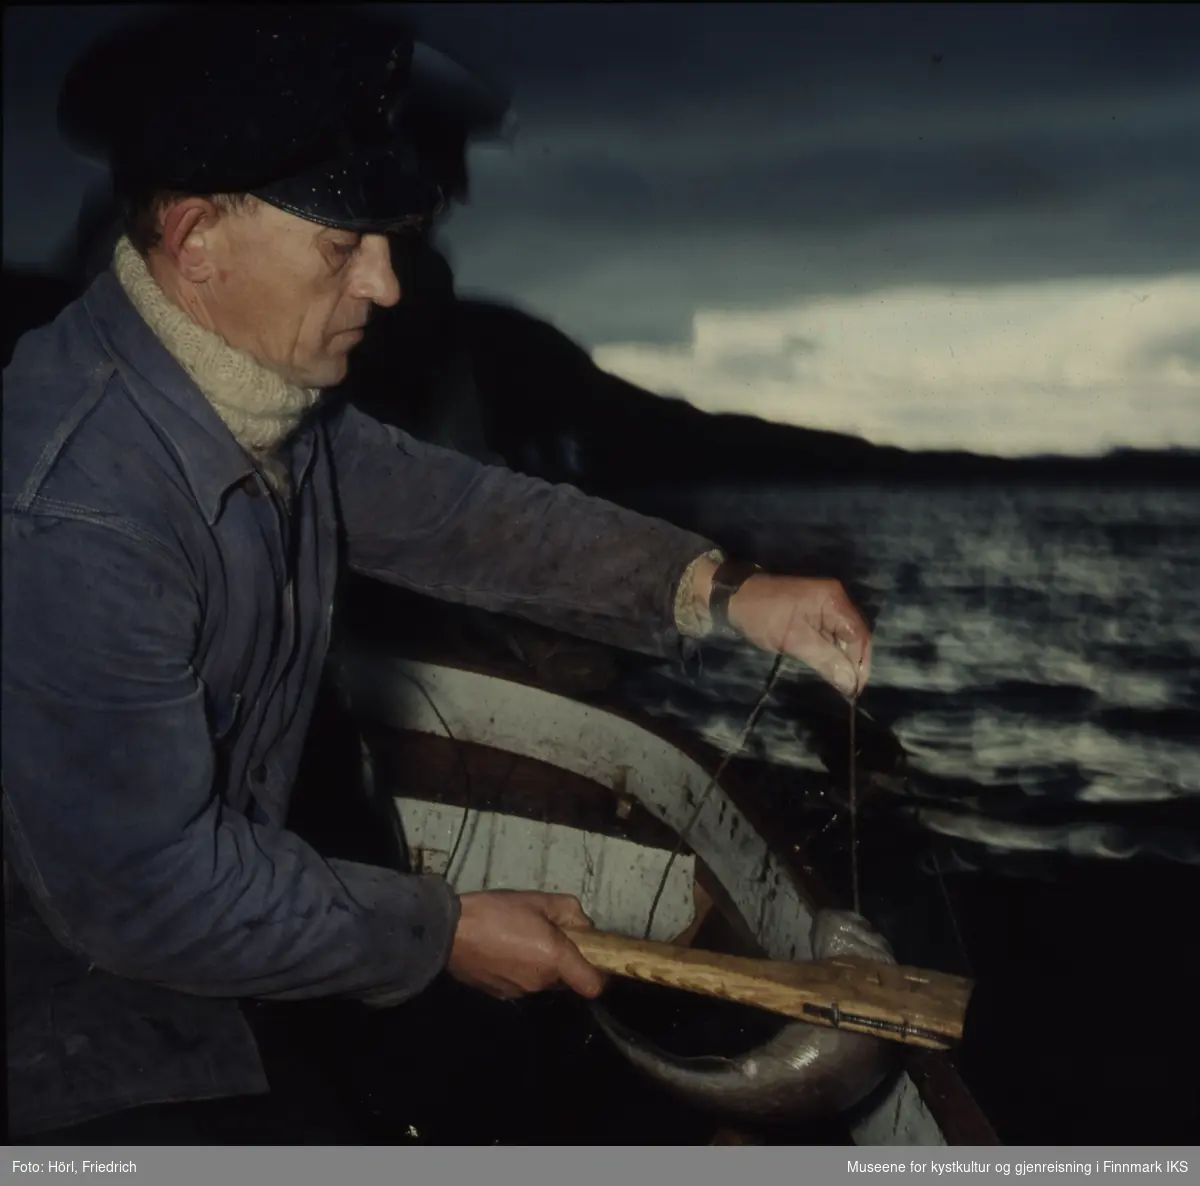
292 293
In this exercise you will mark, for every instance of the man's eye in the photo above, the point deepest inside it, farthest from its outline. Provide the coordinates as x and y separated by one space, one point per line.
345 250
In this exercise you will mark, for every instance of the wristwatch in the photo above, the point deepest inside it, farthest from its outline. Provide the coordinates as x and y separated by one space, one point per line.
730 576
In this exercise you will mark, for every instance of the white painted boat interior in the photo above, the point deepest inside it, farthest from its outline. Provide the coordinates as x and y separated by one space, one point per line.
615 879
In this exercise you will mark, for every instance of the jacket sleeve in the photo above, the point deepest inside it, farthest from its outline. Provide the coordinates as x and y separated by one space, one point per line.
111 814
443 524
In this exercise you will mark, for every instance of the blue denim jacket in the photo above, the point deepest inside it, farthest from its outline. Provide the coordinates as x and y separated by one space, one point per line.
165 623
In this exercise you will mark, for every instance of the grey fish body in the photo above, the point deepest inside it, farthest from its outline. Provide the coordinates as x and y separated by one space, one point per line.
804 1070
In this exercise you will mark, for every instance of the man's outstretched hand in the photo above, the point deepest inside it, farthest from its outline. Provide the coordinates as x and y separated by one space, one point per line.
509 943
811 620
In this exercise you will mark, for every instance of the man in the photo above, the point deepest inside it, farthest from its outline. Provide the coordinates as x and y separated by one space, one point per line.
178 498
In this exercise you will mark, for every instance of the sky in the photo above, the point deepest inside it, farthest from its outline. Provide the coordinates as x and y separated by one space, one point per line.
935 226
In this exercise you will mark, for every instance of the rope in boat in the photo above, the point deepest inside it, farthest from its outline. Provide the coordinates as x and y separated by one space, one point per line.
468 793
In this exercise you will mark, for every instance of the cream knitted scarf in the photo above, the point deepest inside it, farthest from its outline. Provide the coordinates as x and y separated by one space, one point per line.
259 407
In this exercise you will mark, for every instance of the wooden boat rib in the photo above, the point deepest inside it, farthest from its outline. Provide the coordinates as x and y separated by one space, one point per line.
576 797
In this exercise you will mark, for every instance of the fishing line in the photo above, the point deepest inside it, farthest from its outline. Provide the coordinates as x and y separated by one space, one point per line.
854 805
962 947
747 729
751 721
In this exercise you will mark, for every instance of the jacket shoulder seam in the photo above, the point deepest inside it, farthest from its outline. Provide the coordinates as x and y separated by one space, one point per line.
66 429
55 508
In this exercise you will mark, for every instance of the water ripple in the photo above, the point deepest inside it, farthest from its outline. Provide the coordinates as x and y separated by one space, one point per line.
1041 645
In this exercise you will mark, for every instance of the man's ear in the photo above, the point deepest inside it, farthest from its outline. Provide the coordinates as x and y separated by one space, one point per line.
188 230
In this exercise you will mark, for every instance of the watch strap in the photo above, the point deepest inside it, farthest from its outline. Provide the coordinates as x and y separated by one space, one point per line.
730 576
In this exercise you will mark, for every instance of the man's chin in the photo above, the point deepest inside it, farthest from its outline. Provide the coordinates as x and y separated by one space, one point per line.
329 372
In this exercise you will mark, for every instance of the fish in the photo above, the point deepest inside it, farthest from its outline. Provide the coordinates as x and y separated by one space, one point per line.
802 1072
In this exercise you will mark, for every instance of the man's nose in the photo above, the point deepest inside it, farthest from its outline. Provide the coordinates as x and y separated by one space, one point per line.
376 280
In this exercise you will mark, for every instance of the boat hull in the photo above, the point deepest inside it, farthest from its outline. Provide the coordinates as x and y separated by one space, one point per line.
615 875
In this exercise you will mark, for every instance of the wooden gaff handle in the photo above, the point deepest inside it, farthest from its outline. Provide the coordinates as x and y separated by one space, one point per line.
901 1004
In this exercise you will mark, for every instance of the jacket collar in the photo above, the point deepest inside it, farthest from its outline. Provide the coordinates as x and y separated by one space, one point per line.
212 460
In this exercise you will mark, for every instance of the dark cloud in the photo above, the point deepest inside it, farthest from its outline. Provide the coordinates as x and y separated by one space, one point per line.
715 156
672 158
631 54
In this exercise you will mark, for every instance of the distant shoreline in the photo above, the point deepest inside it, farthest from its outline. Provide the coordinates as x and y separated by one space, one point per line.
538 386
866 464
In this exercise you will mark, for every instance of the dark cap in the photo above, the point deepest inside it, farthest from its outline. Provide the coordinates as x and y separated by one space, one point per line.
331 113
